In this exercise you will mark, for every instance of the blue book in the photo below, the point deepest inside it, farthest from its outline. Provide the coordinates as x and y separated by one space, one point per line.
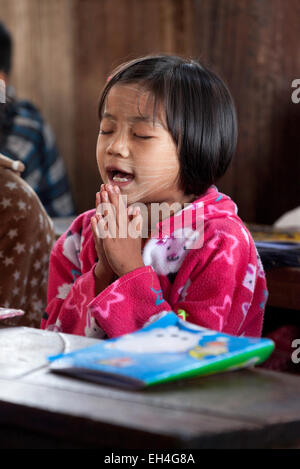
165 350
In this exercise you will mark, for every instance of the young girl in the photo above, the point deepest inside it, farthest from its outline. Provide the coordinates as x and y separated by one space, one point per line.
167 133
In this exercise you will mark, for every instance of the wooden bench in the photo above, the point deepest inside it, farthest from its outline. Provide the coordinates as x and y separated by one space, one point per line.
252 408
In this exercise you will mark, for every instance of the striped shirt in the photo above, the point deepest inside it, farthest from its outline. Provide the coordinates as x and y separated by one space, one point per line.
30 139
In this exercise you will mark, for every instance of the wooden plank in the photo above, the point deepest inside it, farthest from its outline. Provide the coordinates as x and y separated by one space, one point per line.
91 419
109 33
247 42
255 396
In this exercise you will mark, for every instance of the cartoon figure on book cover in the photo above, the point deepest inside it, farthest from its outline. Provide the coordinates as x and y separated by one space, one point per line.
170 339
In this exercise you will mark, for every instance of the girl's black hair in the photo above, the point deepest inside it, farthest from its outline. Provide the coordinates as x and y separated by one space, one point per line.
200 114
5 49
7 110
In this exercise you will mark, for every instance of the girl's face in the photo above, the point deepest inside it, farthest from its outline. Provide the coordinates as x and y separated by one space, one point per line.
145 154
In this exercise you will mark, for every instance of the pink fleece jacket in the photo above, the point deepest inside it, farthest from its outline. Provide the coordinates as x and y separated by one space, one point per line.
219 285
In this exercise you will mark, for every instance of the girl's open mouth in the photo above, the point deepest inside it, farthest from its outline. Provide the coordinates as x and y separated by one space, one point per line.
172 258
119 178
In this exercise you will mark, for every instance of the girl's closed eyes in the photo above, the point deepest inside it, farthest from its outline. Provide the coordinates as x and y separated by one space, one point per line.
102 132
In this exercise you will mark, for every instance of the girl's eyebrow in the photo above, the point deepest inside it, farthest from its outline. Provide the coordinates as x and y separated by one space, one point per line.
157 122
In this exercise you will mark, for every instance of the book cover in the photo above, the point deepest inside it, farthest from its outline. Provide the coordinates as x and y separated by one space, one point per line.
167 349
266 233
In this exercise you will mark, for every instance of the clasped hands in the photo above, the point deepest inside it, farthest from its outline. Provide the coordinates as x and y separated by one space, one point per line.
117 231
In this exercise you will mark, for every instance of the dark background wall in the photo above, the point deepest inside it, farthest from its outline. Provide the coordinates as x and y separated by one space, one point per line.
65 49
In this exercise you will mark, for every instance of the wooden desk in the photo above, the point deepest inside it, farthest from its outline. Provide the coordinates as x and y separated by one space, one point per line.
240 409
61 224
284 282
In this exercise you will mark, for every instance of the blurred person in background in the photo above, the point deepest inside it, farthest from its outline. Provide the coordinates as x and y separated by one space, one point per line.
26 239
26 137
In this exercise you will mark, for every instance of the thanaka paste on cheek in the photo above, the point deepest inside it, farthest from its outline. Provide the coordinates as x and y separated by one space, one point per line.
154 162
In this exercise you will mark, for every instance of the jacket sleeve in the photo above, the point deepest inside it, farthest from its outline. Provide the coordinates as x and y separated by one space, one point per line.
69 291
122 307
129 302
